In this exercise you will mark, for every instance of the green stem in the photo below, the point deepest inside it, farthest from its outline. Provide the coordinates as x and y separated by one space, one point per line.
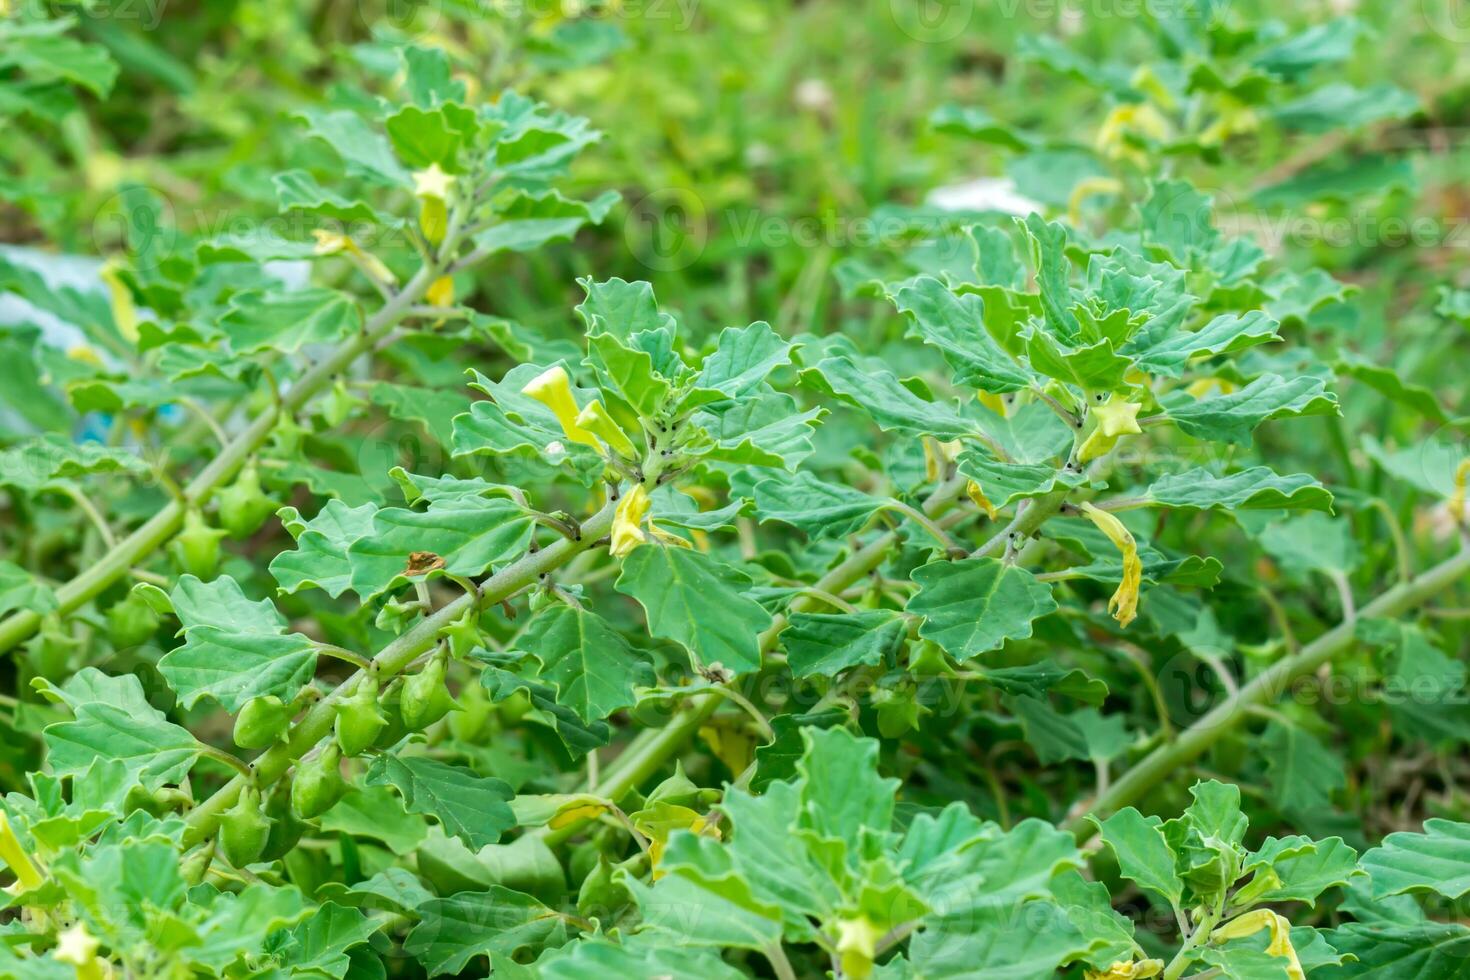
94 515
927 523
392 659
780 965
1182 959
157 530
1400 543
1264 688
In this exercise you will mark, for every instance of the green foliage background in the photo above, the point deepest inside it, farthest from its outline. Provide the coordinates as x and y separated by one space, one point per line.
741 489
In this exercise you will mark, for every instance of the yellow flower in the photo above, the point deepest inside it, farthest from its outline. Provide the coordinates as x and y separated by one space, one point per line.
659 822
433 182
1124 604
857 945
1457 499
15 855
1117 417
1201 387
937 456
1127 970
1111 420
432 187
124 312
553 389
78 947
584 807
627 532
594 419
992 401
1235 118
1145 80
83 354
440 292
1127 123
1280 944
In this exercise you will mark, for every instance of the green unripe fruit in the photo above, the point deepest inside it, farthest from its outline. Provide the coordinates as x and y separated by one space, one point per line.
898 712
515 707
359 722
318 783
601 896
468 724
196 549
196 864
244 829
463 635
262 722
425 698
49 651
393 732
928 660
131 622
243 506
285 830
338 406
286 436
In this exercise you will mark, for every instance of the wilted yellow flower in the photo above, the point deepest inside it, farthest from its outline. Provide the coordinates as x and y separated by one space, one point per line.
627 530
983 502
937 456
1234 118
83 354
1128 121
1280 944
1146 80
124 312
658 824
1085 188
553 389
1127 970
575 811
1115 418
1457 498
336 243
674 539
1124 604
594 419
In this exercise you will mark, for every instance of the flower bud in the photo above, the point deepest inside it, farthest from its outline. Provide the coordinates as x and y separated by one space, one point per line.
594 419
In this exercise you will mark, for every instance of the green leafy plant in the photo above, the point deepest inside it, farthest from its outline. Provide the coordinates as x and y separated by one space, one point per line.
1027 611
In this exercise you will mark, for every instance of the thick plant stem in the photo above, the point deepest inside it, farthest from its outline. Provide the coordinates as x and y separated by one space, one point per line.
393 659
1263 689
161 527
651 749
